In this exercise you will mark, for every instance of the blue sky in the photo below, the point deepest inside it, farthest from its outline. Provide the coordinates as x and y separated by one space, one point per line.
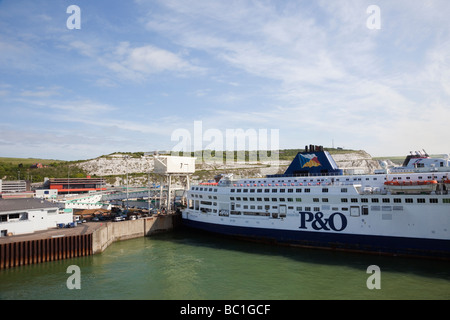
137 71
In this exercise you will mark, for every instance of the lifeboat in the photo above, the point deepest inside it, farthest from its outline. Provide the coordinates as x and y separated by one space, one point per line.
208 183
396 186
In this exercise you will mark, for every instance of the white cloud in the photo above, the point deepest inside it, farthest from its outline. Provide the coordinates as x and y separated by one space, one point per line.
138 62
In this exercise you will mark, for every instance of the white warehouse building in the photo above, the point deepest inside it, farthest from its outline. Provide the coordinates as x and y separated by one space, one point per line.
21 216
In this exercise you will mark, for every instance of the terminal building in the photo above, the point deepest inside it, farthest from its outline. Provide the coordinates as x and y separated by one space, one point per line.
20 216
76 185
12 186
15 189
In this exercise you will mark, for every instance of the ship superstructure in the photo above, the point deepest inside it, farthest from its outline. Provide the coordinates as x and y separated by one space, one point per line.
403 210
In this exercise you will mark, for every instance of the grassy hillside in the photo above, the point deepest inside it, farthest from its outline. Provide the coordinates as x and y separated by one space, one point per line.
20 168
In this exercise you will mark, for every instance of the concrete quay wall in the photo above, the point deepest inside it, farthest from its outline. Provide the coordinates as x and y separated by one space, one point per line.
129 229
84 240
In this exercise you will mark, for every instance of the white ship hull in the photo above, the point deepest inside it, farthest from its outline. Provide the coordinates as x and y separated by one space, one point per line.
356 213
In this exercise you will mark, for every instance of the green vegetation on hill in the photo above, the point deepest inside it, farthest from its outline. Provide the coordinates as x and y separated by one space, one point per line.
21 168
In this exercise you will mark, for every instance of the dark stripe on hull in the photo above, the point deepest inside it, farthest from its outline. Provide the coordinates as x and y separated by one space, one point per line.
430 248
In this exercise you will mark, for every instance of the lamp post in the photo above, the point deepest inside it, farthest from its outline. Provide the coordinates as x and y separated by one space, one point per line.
126 167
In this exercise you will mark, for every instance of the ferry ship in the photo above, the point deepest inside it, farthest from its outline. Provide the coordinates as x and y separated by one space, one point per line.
396 211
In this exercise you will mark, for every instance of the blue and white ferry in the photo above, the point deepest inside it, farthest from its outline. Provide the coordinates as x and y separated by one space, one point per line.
399 211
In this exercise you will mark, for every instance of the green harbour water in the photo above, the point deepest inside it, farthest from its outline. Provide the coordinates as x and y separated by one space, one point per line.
186 265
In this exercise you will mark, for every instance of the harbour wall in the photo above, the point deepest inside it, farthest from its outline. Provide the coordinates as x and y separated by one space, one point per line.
129 229
65 246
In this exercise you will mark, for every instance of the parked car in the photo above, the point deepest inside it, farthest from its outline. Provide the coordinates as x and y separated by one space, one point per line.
118 218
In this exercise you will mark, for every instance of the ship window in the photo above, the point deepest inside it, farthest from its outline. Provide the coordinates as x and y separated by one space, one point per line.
354 200
344 189
446 200
316 200
344 200
298 199
266 199
365 200
316 208
290 200
259 190
244 199
307 190
282 200
324 199
421 200
307 208
282 190
274 199
375 200
298 208
324 189
397 200
433 200
232 190
409 200
365 210
386 200
266 190
245 190
252 190
274 190
290 190
298 190
252 199
238 198
258 199
232 198
238 190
